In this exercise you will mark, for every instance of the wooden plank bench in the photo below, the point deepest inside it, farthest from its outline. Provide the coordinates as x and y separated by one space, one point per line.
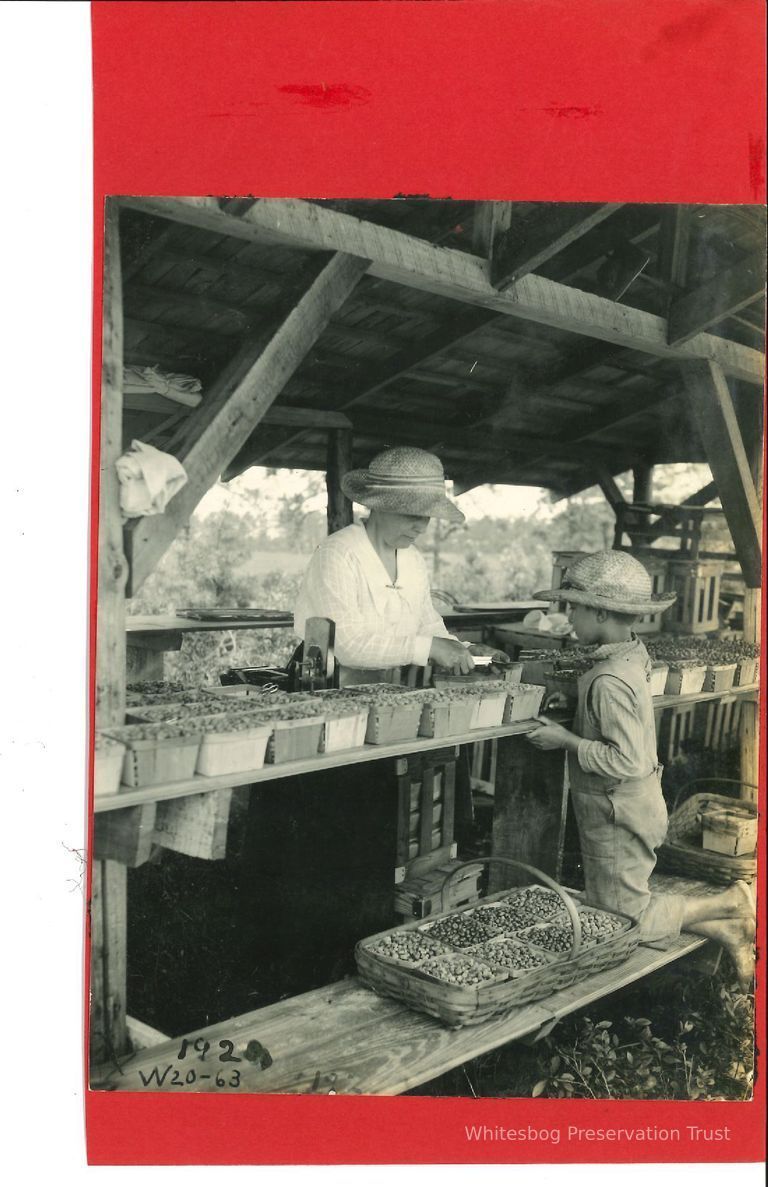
344 1038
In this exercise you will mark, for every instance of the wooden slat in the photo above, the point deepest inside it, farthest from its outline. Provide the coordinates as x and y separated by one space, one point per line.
307 418
724 294
712 410
196 826
413 262
347 1038
527 811
107 915
128 796
338 464
529 243
426 810
249 397
125 836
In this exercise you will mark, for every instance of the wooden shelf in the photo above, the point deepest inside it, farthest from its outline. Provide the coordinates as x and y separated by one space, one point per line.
346 1037
131 796
747 691
161 624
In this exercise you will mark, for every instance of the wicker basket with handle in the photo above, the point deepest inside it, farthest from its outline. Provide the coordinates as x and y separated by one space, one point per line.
465 1005
682 853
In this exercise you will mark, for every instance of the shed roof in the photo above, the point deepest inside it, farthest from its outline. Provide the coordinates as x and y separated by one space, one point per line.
546 381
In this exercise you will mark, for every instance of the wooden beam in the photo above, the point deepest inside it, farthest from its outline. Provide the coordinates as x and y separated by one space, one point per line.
241 405
612 417
613 495
107 917
530 242
671 517
711 408
725 294
307 418
674 235
339 463
415 263
489 440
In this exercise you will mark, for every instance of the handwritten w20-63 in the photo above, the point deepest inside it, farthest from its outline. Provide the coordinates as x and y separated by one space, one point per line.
205 1064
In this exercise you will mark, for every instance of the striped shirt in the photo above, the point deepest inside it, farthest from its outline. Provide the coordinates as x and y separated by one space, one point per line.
379 624
623 747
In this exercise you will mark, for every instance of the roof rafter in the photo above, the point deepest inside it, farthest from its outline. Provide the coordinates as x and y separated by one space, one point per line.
413 262
530 242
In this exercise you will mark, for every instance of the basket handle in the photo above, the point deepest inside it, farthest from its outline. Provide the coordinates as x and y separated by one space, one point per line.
709 780
545 878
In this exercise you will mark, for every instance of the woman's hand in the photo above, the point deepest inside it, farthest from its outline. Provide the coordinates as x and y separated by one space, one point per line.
496 655
551 736
450 655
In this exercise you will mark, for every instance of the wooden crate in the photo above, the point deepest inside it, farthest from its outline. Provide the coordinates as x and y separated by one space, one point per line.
675 730
426 806
697 584
422 895
719 724
651 624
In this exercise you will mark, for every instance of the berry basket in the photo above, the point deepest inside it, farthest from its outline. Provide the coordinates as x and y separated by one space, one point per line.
719 677
468 987
685 678
344 728
393 717
658 678
682 852
295 739
157 752
523 702
747 671
446 713
491 704
231 743
108 764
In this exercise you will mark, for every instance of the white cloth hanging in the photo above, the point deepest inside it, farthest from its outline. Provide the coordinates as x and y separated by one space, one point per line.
148 478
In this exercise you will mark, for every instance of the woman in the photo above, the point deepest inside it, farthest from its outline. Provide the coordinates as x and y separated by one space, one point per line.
370 580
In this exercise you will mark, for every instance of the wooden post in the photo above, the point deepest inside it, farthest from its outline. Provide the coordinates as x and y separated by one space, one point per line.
751 420
750 710
712 410
642 490
108 1033
339 462
528 810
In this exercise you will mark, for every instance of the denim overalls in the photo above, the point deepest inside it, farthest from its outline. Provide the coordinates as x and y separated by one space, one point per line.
621 822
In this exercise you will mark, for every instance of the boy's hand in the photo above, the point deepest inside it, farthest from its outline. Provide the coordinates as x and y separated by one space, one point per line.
556 700
549 735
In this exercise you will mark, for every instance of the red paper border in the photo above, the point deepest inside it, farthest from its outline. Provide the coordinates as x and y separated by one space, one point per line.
609 100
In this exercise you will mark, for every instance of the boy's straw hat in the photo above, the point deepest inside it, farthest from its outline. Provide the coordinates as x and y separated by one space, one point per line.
405 481
610 581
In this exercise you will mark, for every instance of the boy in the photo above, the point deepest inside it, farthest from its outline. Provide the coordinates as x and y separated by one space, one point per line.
614 772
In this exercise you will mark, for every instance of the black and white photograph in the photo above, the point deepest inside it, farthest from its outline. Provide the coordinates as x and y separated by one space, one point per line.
427 655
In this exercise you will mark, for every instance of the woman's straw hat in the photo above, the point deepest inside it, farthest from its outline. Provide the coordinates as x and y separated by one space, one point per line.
405 481
609 581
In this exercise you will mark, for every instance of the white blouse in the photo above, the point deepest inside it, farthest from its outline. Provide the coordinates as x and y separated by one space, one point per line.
378 624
